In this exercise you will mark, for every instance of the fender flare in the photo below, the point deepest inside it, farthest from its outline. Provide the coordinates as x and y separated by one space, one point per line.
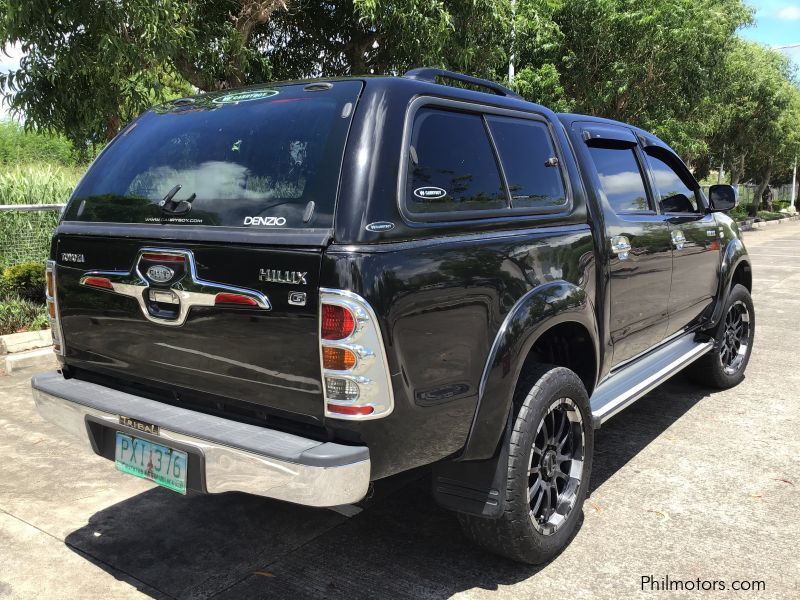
534 313
735 254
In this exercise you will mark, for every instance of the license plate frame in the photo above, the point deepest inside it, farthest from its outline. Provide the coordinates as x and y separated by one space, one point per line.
153 461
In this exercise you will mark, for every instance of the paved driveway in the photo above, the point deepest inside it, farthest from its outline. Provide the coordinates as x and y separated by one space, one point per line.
688 484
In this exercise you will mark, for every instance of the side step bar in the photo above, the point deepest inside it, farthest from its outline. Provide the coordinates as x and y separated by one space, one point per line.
622 389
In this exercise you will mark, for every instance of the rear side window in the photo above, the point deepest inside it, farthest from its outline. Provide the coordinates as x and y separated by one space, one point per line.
451 165
529 163
620 178
265 157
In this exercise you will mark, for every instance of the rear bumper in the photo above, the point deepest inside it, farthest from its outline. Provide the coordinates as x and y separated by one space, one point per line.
231 456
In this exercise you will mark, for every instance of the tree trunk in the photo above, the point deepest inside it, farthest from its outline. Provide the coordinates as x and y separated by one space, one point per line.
112 127
762 185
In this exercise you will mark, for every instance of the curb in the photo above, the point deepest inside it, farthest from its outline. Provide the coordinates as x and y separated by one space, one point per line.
40 359
28 340
751 224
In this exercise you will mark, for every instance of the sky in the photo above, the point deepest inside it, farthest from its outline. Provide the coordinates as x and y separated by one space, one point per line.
777 23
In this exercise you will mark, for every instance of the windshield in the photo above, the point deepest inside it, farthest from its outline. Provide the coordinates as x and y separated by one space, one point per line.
265 157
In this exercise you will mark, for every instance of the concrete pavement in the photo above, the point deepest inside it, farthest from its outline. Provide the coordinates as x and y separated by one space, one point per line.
688 484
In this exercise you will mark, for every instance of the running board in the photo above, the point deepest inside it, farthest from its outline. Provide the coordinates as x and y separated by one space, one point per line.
624 388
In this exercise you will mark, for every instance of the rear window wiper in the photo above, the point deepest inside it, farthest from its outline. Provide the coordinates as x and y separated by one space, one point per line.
176 207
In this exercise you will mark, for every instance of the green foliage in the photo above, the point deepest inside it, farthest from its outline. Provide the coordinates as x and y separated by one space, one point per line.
769 216
26 236
18 314
20 146
25 280
650 63
37 184
90 64
676 67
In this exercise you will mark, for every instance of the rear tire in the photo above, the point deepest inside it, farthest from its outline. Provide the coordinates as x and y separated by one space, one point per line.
724 366
550 461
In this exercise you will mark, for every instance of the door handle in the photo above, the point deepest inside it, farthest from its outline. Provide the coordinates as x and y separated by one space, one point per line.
621 246
678 239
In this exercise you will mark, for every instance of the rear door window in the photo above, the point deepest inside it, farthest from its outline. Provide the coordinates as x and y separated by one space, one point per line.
451 166
265 157
529 163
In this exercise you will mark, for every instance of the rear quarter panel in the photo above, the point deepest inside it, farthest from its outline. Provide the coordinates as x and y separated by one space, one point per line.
441 304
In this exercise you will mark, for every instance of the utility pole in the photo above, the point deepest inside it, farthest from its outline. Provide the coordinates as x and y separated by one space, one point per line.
794 186
513 41
721 173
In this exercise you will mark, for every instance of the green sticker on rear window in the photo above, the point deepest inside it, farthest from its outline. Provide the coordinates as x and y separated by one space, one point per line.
244 96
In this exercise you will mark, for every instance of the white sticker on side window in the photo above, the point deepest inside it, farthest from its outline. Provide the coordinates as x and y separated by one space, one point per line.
430 192
265 221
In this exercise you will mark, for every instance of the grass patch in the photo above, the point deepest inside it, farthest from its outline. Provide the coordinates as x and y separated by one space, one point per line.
25 236
18 314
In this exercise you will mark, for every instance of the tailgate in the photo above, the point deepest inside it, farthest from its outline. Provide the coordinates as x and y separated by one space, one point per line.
230 321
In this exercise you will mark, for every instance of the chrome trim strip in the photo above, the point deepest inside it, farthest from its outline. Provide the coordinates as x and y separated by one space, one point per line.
194 292
230 469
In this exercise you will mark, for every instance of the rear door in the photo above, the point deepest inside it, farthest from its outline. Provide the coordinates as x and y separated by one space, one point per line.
639 245
696 247
189 255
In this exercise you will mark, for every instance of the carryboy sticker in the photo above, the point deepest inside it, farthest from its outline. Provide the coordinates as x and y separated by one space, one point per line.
244 96
430 192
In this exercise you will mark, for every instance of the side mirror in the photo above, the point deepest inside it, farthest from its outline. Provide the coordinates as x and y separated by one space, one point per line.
722 197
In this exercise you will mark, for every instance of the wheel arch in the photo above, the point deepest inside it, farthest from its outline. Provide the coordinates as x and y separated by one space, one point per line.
735 268
554 322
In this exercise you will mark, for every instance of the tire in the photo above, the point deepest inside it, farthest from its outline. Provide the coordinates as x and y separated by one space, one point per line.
549 398
724 366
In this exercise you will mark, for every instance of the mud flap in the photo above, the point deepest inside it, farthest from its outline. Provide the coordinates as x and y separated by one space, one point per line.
474 487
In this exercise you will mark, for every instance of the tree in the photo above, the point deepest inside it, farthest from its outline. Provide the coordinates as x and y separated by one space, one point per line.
755 115
651 63
91 65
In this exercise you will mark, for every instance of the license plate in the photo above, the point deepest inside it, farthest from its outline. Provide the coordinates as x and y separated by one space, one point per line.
165 466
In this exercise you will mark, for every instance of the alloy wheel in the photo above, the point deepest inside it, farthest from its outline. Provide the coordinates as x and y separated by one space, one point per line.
735 338
556 466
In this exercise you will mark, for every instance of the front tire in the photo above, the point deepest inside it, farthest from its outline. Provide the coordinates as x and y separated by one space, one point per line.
550 461
724 366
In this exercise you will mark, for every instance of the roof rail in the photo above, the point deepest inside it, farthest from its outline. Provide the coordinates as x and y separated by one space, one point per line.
431 75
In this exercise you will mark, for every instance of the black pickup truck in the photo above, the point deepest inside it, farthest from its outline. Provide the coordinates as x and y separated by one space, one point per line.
296 289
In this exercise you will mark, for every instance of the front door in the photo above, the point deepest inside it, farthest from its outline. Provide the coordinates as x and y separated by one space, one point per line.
640 246
694 233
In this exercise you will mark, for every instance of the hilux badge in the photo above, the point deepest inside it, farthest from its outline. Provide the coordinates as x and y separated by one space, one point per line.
160 273
276 276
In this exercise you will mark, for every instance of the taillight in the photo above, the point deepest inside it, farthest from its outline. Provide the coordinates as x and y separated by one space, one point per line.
357 384
338 359
52 307
337 322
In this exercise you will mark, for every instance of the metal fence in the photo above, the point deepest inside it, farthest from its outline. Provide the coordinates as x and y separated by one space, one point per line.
25 231
781 195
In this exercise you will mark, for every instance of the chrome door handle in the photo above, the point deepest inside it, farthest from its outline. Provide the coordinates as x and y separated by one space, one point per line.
678 239
621 246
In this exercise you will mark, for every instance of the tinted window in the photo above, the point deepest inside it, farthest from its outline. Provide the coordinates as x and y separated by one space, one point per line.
673 194
451 164
261 158
620 178
529 162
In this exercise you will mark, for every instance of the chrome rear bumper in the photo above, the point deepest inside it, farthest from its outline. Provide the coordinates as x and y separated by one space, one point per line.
234 456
